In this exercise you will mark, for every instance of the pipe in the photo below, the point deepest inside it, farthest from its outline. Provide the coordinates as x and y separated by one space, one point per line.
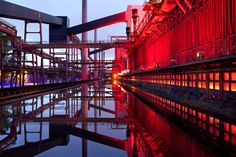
181 7
188 4
168 6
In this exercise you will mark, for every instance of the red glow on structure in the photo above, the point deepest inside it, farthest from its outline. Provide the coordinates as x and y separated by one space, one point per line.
211 120
233 87
226 86
115 76
233 129
114 82
226 127
199 36
226 76
233 76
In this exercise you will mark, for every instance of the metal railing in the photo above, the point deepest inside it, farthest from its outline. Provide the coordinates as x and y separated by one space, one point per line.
7 26
112 40
210 50
219 48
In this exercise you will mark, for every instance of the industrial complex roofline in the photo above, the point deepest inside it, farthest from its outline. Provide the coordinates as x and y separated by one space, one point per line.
13 11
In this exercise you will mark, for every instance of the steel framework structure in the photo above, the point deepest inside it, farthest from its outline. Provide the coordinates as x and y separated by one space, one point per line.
39 62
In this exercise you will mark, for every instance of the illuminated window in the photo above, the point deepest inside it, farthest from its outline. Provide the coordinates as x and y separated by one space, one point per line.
233 87
233 134
233 76
178 80
226 76
214 126
202 80
192 80
226 81
184 112
172 106
230 81
233 129
161 79
178 108
164 79
214 82
185 80
168 79
202 120
172 79
226 86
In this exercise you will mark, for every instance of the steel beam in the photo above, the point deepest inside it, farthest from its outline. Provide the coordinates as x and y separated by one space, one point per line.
32 46
17 94
97 51
13 11
106 21
98 138
62 120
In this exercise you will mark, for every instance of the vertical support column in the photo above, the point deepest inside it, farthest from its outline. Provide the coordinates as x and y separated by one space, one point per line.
37 70
24 54
95 55
67 65
84 93
54 67
50 68
72 64
135 20
24 67
84 54
37 53
84 105
33 64
77 65
41 41
20 65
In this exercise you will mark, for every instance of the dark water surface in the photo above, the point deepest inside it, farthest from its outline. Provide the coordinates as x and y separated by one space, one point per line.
92 120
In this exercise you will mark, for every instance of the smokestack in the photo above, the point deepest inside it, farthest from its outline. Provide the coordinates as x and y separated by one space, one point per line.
84 53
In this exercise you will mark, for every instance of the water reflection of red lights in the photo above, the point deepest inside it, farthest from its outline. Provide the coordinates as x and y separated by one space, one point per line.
216 129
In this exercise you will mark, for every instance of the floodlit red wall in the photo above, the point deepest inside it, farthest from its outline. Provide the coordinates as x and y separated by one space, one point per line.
209 30
120 57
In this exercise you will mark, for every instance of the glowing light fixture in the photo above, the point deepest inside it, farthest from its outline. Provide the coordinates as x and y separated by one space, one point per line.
115 76
199 55
114 82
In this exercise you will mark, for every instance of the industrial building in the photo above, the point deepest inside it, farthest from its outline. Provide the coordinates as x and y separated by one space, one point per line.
170 90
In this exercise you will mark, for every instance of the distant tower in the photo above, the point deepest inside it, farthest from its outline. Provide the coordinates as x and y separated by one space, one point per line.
84 54
84 90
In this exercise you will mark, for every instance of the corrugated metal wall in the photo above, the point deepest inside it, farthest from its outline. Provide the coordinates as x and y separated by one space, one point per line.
209 30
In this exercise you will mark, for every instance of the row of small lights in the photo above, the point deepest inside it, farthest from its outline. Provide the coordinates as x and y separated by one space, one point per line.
123 72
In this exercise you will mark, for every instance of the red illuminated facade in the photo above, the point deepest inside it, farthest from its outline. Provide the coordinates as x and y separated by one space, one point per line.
183 62
207 30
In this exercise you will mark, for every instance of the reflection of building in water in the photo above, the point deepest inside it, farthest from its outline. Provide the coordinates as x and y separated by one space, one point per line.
217 128
72 113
